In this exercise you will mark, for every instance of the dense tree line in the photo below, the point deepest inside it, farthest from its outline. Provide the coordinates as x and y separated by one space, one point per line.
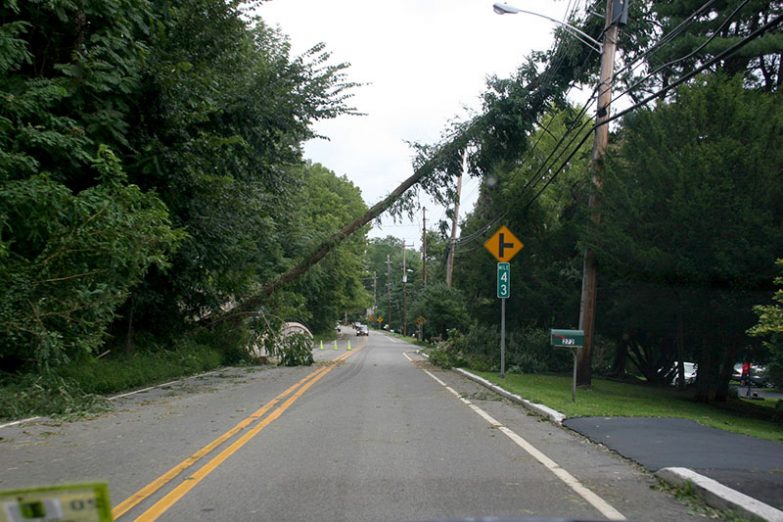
151 173
691 200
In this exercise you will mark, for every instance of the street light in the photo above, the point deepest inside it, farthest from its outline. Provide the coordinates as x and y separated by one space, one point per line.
583 37
616 16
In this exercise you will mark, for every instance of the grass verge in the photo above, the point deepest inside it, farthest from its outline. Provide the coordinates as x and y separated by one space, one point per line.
615 399
77 389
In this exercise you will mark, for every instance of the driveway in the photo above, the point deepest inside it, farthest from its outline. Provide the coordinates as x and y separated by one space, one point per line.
747 464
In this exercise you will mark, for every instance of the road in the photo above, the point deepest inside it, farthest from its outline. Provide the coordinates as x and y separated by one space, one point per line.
376 434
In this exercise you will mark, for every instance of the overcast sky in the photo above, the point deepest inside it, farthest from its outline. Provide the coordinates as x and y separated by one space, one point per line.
423 62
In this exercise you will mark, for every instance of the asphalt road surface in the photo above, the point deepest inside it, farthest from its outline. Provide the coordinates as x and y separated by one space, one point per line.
375 434
749 465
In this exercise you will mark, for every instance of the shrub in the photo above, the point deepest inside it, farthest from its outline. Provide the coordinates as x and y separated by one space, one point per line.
295 350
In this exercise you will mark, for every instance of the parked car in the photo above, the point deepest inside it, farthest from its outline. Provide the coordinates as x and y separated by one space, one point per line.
758 375
362 330
690 373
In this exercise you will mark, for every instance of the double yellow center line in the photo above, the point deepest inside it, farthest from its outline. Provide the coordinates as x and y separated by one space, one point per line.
161 506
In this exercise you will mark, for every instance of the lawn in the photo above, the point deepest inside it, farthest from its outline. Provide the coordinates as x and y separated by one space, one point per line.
615 399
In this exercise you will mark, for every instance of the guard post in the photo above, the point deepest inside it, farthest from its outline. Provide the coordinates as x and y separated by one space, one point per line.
573 339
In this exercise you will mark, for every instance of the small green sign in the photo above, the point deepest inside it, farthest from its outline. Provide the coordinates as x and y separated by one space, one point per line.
504 280
63 503
567 338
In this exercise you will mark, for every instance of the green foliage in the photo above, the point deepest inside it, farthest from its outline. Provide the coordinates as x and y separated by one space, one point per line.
389 285
442 309
69 260
295 350
223 112
289 348
691 224
148 157
336 285
35 395
150 365
546 274
770 327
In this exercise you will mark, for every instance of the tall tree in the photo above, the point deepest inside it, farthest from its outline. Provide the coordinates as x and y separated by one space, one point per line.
692 219
337 284
75 235
219 126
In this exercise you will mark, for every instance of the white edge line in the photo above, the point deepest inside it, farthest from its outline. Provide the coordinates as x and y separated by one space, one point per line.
120 396
594 500
22 421
115 397
545 411
407 357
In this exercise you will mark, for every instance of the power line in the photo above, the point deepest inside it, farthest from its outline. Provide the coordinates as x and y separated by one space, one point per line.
534 180
727 52
689 55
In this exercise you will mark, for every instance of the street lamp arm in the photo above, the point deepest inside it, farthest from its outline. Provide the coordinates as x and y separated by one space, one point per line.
581 35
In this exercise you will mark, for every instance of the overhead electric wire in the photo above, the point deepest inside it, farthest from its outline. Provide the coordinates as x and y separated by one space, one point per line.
536 178
550 72
726 52
689 55
667 38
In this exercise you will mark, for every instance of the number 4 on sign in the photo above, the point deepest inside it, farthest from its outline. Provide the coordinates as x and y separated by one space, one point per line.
504 281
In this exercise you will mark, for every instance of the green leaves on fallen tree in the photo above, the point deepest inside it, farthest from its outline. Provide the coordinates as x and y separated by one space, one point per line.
68 260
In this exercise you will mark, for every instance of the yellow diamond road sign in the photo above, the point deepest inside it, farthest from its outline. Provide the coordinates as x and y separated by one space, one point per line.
503 245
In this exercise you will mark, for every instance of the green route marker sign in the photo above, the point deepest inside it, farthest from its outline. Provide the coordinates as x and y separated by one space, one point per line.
504 280
62 503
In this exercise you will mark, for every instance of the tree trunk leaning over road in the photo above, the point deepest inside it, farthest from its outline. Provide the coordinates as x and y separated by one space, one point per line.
251 304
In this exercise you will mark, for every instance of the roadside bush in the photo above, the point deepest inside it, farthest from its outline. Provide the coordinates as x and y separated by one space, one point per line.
295 350
527 351
141 368
231 341
32 395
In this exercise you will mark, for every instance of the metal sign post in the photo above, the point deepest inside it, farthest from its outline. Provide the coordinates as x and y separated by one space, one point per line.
503 293
503 245
573 339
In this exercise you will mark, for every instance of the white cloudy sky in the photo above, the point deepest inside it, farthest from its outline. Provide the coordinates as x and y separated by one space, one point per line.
424 62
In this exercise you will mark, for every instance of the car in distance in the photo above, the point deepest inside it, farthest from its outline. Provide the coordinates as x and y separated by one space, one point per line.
690 373
362 330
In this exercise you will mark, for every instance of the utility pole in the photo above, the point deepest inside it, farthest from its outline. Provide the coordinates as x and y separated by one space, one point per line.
388 290
374 293
404 293
616 15
424 245
454 222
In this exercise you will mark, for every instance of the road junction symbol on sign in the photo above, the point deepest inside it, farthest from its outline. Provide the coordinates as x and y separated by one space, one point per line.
503 244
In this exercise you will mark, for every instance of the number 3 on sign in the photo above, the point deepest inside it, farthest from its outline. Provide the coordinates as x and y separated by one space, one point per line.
504 281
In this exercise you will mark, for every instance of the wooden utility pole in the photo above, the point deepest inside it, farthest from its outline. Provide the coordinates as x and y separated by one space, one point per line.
404 293
424 245
616 12
374 293
454 223
388 290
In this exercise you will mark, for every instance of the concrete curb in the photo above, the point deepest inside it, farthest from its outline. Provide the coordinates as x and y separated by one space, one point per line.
719 496
539 409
